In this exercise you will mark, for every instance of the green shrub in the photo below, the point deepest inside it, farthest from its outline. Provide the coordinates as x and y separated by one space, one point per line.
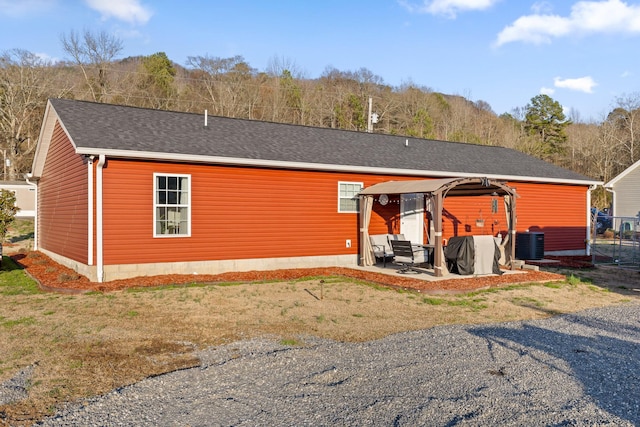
8 210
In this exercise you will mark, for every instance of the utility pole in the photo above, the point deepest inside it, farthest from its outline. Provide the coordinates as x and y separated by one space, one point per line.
369 124
372 118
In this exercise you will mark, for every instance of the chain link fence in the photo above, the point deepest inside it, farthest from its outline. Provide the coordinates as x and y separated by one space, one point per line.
616 241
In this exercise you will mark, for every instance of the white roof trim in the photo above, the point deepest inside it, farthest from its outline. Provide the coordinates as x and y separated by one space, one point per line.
622 174
16 185
44 139
317 166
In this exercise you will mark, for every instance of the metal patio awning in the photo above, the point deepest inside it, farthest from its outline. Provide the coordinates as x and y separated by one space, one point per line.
445 186
437 190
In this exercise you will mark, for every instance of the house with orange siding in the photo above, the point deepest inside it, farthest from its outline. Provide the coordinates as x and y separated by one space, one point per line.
125 192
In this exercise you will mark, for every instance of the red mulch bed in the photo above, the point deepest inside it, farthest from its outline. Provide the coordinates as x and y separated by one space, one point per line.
55 277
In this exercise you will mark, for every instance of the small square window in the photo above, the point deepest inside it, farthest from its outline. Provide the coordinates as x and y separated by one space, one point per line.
348 196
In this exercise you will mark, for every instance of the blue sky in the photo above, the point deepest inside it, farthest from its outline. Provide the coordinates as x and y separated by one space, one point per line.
504 52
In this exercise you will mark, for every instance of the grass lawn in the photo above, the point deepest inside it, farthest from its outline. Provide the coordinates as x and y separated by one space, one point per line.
88 344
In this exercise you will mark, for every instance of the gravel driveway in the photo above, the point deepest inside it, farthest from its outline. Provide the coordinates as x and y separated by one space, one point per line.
572 370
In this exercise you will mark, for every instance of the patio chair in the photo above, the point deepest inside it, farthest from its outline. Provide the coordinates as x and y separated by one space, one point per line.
382 247
408 256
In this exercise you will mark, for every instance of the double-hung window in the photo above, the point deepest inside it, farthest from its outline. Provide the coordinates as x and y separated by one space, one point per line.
172 205
348 196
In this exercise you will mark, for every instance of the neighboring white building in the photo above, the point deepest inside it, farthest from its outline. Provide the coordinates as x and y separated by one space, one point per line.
626 191
25 197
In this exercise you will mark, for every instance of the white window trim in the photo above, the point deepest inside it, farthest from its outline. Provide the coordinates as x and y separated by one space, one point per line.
188 205
340 198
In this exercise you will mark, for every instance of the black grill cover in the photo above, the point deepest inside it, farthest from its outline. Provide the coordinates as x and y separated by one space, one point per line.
460 255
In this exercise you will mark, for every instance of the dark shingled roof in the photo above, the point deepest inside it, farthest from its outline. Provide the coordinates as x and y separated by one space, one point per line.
94 126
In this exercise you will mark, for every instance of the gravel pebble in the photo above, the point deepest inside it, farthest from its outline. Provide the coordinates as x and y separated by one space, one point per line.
15 389
571 370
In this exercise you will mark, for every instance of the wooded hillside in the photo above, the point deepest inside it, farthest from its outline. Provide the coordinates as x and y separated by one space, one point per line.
281 93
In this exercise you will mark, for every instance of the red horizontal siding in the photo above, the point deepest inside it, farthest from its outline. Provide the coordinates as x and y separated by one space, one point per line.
236 213
240 213
559 211
461 213
62 205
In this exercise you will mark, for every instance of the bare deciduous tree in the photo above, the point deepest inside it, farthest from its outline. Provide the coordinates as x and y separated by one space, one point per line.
93 53
625 118
24 88
338 99
209 74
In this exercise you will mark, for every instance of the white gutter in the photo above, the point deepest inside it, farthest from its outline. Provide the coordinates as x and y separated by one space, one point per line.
174 157
90 211
28 176
591 188
99 241
613 200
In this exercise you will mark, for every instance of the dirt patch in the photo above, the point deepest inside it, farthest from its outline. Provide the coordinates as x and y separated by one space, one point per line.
607 277
19 237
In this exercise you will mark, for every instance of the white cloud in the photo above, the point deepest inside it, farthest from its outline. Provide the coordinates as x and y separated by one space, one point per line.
124 10
547 91
535 29
586 17
626 74
581 84
448 8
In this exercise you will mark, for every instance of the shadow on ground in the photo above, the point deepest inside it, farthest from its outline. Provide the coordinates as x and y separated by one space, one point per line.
600 358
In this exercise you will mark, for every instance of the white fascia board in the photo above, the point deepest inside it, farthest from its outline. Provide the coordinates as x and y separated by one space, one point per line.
622 174
234 161
10 185
44 139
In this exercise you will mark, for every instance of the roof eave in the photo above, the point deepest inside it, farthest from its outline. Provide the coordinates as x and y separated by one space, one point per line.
622 174
236 161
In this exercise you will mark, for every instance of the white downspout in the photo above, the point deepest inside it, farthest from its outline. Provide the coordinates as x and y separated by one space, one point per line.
35 217
591 188
99 231
613 200
90 212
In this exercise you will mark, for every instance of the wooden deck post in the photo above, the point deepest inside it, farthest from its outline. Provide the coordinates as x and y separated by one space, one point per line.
438 260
